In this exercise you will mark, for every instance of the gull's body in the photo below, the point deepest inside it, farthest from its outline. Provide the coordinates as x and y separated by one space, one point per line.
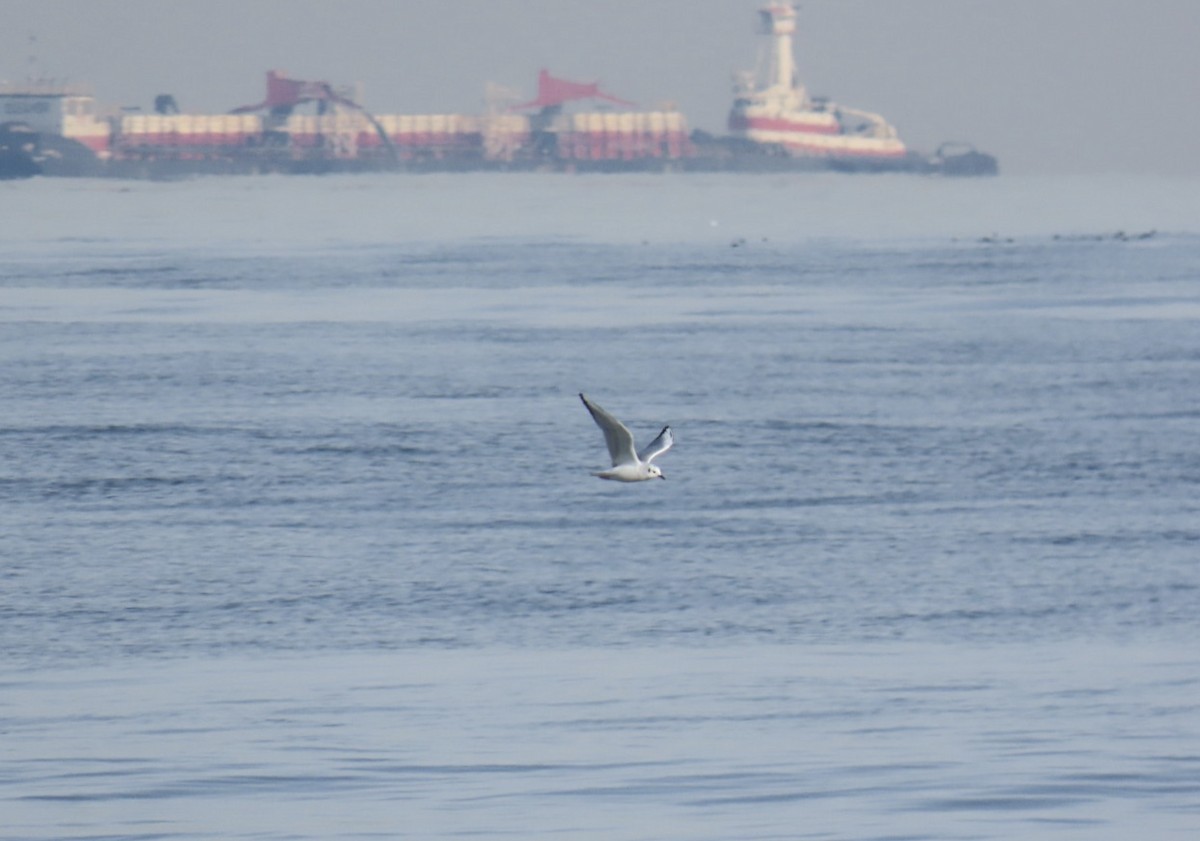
628 464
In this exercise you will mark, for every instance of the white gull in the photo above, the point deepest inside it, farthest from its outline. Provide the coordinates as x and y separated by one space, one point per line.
628 465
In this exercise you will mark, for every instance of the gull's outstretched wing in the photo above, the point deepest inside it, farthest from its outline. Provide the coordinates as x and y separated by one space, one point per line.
616 436
658 446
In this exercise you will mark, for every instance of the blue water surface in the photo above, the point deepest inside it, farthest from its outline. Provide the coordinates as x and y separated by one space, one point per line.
298 536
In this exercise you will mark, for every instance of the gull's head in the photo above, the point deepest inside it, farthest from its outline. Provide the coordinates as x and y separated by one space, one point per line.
655 471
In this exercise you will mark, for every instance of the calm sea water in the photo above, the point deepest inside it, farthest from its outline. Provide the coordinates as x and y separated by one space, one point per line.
298 538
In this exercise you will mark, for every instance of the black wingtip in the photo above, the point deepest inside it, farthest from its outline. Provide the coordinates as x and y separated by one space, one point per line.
587 404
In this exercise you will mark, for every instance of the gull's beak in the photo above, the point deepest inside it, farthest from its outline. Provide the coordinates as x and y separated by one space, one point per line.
662 475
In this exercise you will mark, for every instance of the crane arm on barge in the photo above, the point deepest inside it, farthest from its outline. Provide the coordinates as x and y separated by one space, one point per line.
284 94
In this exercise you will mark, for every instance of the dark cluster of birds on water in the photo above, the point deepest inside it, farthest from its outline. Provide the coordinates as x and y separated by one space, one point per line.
1118 236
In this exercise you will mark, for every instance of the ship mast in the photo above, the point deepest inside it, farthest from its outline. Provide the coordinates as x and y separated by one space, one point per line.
779 21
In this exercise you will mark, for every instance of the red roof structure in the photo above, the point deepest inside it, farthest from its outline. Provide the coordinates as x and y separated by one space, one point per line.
283 92
553 91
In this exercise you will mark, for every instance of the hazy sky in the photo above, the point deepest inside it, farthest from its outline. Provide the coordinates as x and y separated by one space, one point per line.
1046 85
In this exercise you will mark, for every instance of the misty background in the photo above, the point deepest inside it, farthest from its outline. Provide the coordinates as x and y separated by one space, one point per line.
1049 86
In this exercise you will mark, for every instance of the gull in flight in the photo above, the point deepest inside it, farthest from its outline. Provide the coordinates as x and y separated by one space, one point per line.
628 465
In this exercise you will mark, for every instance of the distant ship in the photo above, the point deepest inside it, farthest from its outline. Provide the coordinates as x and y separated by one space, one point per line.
313 127
780 113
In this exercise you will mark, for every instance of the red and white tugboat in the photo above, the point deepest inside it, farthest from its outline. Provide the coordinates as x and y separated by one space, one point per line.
780 115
